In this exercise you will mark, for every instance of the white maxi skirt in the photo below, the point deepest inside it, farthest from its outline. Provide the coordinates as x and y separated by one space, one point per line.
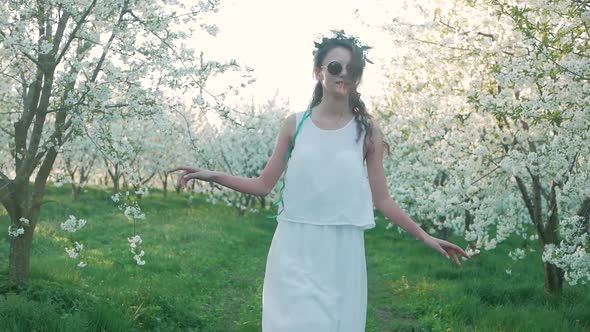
315 279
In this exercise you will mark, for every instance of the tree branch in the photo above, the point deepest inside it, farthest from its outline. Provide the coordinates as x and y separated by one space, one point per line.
197 82
584 212
6 131
5 193
529 205
37 63
108 44
72 35
552 207
41 177
4 176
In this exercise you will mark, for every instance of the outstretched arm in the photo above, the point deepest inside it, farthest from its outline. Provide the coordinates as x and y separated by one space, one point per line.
390 209
259 186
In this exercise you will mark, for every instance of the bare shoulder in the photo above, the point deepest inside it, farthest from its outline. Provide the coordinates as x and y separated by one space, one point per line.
376 133
288 126
287 130
375 136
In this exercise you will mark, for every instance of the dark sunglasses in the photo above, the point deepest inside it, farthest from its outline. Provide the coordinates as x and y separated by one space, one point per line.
335 68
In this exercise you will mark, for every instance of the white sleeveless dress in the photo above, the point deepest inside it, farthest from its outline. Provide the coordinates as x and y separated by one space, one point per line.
316 277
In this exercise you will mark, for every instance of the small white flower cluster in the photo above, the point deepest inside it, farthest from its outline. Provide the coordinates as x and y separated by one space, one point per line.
15 233
72 225
130 211
489 244
133 212
75 251
571 255
199 100
134 241
20 230
576 265
517 254
143 191
211 199
60 180
471 252
211 29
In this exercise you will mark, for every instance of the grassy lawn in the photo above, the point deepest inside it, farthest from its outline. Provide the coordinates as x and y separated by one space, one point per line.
205 267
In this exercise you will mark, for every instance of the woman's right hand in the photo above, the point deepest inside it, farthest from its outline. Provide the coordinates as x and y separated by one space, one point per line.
190 173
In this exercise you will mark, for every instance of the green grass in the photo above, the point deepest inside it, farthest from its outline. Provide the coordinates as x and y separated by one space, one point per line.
205 267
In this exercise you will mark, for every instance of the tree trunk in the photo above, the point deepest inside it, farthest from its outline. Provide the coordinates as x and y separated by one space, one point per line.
165 184
76 191
164 179
115 177
584 212
553 274
468 223
547 230
20 246
20 252
553 279
116 185
83 176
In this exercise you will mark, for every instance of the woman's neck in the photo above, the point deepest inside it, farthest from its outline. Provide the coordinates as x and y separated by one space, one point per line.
331 107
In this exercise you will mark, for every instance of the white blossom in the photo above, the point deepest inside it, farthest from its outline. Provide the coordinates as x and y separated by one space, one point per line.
517 254
17 232
72 252
72 224
115 198
133 212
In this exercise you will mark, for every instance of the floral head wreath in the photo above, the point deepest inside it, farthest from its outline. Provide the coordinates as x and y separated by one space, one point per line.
341 35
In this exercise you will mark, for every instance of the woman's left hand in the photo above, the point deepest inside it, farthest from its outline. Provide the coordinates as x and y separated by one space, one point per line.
445 248
190 173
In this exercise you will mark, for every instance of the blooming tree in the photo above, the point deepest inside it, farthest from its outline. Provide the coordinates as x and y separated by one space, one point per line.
65 63
75 164
240 149
489 103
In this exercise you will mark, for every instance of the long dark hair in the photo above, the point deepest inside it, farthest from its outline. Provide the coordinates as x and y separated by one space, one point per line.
361 116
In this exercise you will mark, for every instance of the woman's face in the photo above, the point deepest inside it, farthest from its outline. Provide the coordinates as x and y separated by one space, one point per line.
340 83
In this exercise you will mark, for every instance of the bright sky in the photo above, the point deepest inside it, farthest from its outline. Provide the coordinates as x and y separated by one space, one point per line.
275 37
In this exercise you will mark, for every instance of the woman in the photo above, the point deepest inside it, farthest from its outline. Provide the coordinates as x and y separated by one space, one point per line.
315 277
